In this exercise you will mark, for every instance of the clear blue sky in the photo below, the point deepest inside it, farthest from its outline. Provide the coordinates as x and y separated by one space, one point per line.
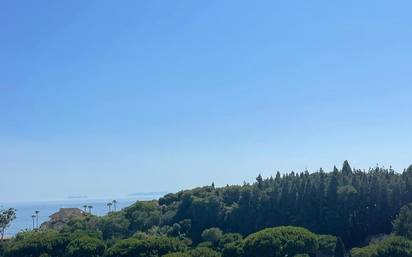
107 98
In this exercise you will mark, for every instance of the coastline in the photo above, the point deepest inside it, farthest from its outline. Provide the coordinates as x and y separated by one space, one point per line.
25 210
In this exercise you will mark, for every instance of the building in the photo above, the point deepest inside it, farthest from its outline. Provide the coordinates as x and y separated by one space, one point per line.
60 218
65 214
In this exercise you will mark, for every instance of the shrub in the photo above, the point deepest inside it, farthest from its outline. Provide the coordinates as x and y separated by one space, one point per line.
35 244
85 246
234 249
394 246
212 235
148 247
114 225
280 241
326 245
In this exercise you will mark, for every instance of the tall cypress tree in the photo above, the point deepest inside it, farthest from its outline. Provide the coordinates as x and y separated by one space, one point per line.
346 169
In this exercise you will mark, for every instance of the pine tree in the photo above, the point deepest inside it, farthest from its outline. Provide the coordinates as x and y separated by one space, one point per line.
339 248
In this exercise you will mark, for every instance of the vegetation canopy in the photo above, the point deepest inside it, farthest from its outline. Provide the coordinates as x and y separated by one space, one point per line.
337 213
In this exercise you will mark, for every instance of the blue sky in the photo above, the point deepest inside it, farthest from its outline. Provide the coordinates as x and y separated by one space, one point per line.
108 98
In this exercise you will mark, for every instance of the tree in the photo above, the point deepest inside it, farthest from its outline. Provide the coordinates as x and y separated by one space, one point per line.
90 208
142 215
85 246
229 238
339 248
393 246
37 243
37 218
109 205
114 204
259 181
280 241
114 225
326 245
346 169
403 223
33 217
145 247
6 217
234 249
212 235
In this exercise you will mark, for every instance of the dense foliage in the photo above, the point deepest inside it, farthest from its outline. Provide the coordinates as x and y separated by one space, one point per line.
271 242
279 242
296 214
393 246
351 204
403 223
145 247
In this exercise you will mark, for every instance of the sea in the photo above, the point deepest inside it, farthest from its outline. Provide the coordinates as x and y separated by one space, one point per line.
24 211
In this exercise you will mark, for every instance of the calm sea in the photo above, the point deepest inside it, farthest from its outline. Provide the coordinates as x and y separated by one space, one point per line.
24 211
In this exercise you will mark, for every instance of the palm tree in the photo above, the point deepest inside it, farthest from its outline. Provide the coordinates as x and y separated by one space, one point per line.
162 211
114 204
85 208
37 218
90 208
33 218
110 206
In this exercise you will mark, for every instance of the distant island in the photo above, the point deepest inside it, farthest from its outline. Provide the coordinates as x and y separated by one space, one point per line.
77 197
149 194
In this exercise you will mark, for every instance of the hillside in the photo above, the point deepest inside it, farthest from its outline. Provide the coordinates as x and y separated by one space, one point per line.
314 214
